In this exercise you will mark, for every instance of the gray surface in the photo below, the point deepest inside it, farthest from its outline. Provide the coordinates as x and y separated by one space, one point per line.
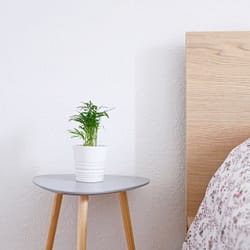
66 184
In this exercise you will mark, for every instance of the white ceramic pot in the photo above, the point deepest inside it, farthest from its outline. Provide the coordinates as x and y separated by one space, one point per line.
89 163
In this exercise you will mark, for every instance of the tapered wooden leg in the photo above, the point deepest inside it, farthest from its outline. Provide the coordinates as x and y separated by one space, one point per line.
54 220
82 222
126 220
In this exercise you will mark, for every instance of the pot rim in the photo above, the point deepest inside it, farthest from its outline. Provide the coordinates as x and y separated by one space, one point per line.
82 146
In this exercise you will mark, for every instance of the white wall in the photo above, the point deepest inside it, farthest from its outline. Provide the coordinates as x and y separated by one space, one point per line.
124 54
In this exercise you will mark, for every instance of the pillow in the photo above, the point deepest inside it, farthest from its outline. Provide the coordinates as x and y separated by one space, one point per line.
223 218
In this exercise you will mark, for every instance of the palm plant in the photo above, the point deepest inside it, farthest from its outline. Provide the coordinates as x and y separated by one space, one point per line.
89 119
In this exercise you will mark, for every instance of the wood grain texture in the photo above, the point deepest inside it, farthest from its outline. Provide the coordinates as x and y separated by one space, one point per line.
189 221
53 221
82 222
217 105
127 220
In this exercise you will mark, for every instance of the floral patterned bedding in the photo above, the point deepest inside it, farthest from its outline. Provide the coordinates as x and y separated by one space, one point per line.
223 219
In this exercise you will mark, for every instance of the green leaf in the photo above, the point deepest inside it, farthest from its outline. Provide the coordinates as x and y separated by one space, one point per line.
89 119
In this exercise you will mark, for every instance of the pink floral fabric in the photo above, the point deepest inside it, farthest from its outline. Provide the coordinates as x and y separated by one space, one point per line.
223 219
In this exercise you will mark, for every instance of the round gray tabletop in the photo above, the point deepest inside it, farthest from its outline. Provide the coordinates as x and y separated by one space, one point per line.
66 184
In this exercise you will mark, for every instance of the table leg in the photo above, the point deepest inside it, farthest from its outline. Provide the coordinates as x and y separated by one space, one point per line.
126 220
54 220
82 222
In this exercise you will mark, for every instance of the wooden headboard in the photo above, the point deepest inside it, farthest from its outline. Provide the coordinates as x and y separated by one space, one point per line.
217 105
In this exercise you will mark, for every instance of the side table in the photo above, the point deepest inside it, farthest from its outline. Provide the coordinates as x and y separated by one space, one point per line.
65 184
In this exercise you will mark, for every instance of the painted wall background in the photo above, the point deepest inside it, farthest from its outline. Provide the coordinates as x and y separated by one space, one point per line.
124 54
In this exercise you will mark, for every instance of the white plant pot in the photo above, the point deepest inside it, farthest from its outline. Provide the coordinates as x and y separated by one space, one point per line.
89 163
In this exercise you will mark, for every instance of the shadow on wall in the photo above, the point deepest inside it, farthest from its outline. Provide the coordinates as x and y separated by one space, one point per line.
17 167
16 188
26 217
160 132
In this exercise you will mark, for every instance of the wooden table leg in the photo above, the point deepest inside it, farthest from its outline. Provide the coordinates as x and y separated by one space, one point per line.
126 220
82 222
54 220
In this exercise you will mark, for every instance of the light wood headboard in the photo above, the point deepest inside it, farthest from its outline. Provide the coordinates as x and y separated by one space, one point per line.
217 105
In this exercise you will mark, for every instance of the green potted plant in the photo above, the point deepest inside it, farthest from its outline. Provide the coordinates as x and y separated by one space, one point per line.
89 156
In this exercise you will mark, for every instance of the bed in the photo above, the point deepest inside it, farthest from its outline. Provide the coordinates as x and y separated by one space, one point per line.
218 127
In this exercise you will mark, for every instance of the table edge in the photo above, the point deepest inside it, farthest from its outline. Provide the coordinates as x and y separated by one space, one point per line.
89 193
